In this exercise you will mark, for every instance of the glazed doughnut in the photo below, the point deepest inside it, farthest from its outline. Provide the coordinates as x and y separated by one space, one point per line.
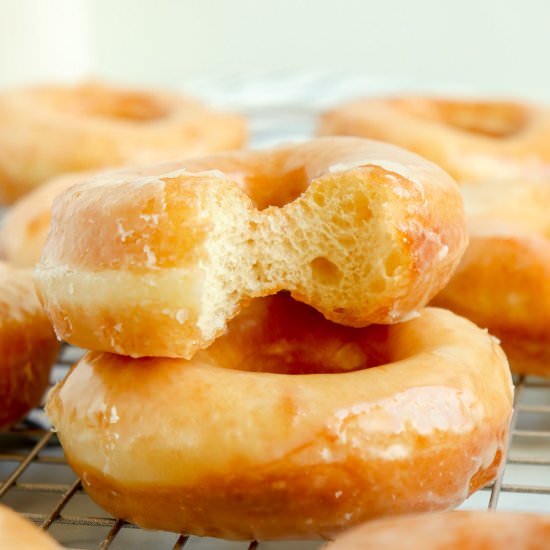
503 281
245 441
450 531
16 533
471 140
27 345
50 130
157 264
25 226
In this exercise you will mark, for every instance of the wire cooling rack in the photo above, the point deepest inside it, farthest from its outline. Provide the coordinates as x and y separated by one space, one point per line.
36 481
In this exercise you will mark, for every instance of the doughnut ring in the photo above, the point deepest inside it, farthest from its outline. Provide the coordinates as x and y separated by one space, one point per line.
450 531
471 140
17 533
290 426
50 130
155 263
25 226
503 280
27 346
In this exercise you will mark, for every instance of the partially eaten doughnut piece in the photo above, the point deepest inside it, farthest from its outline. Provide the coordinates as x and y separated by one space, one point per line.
157 261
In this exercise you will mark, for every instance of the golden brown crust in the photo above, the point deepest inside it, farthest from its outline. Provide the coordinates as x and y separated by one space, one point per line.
27 345
503 280
451 531
362 231
235 444
47 131
472 140
17 533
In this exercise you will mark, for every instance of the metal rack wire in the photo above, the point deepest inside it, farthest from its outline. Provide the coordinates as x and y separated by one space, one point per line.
49 498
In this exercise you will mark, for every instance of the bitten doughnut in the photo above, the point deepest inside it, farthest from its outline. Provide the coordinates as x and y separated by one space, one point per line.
28 346
503 281
46 131
450 531
472 140
157 264
25 226
245 441
16 533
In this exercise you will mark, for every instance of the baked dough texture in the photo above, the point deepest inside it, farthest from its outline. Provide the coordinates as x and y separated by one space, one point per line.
155 262
280 429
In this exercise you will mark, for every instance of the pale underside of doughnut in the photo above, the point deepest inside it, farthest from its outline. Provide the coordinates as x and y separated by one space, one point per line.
28 346
229 444
471 140
17 533
48 131
503 280
451 531
156 265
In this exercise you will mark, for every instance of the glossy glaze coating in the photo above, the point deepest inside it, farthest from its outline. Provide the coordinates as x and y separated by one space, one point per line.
472 139
239 443
46 131
155 262
503 280
451 531
28 346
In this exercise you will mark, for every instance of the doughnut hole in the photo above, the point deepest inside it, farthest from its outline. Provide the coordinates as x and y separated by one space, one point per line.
270 179
489 119
277 334
277 188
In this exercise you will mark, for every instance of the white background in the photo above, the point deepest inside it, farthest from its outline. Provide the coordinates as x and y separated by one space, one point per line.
488 45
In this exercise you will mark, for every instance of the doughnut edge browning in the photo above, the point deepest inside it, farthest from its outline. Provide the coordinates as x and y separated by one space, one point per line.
503 280
28 346
370 236
512 302
188 446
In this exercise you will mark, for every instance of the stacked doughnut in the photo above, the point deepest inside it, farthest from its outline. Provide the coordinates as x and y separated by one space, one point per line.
263 366
500 153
